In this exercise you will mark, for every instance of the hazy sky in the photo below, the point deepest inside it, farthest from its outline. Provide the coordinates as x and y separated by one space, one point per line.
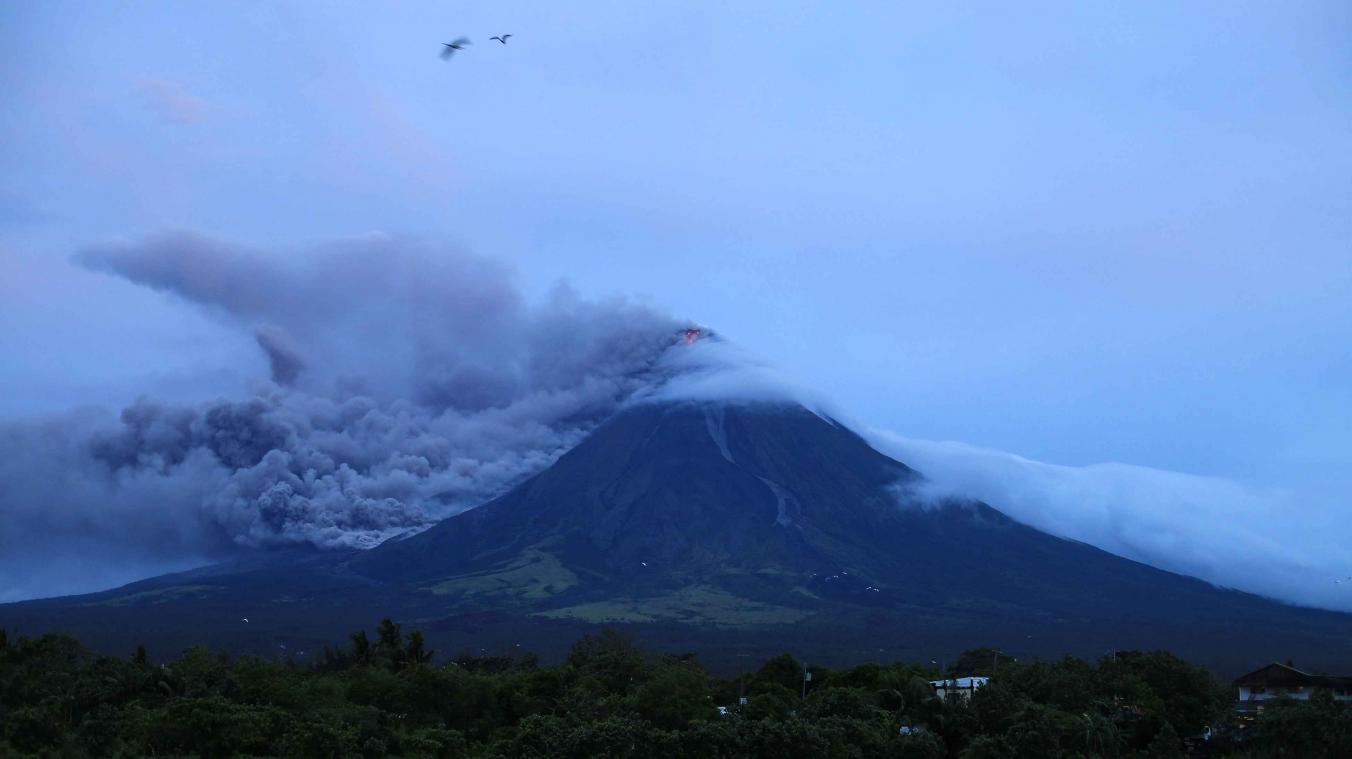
1079 232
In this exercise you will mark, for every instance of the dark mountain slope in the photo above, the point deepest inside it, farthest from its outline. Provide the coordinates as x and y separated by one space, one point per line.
775 505
682 488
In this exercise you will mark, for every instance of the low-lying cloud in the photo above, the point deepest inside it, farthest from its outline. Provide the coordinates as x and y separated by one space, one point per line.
408 383
713 369
1286 545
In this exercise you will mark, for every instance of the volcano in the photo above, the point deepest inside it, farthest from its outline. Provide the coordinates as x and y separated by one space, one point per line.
731 529
760 502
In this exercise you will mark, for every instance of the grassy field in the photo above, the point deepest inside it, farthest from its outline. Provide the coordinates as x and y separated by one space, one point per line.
531 576
694 605
158 596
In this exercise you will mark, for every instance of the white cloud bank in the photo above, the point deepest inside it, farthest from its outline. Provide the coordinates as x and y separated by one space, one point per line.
1292 546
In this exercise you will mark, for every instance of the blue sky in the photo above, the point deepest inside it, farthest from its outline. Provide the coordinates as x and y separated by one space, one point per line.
1079 232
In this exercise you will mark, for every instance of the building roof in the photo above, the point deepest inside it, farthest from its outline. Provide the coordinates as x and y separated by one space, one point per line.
961 682
1283 676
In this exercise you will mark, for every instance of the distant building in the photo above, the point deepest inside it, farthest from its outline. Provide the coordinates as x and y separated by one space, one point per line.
1280 681
961 686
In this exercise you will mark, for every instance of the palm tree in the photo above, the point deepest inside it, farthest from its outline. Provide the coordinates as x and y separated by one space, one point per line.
361 647
416 654
892 688
1100 734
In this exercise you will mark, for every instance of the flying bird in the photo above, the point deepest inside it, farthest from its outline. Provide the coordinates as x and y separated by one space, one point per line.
246 619
503 39
449 48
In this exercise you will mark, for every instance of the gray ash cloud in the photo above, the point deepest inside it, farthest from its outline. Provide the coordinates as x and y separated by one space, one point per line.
408 383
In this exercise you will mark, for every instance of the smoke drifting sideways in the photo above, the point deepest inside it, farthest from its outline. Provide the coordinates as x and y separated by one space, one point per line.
1295 547
408 383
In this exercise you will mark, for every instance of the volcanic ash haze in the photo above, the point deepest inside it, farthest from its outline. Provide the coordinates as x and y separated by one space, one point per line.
408 383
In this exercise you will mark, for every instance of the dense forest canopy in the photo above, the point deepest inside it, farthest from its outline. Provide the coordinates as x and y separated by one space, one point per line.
387 694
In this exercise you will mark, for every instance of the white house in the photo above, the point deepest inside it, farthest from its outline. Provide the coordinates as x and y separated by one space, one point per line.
960 686
1282 681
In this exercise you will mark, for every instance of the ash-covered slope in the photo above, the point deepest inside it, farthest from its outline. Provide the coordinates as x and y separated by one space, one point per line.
679 489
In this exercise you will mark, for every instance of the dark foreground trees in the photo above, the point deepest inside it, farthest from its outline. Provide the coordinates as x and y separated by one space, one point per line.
384 695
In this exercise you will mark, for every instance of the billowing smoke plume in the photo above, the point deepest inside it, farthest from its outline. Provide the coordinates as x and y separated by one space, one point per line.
407 384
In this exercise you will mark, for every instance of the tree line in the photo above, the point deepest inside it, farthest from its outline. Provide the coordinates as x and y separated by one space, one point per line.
388 696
